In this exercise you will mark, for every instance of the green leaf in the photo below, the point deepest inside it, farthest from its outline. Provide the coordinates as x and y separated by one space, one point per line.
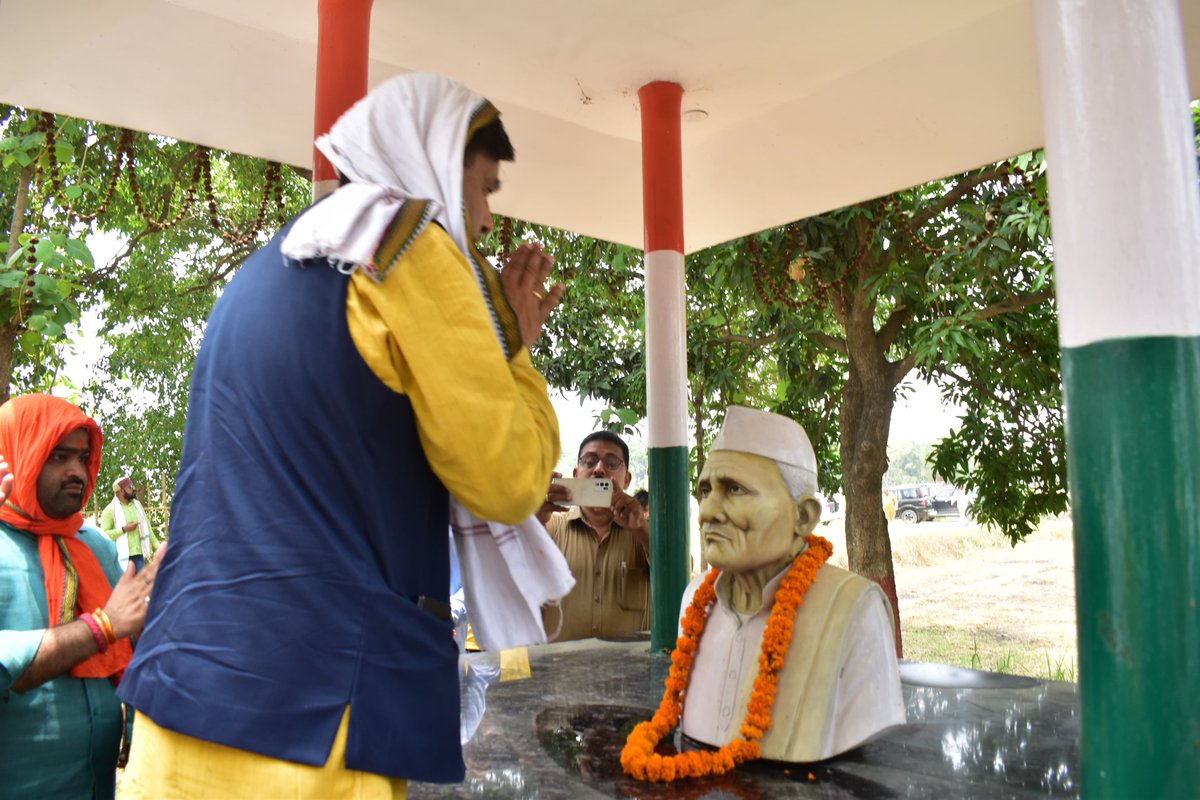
45 284
628 416
80 252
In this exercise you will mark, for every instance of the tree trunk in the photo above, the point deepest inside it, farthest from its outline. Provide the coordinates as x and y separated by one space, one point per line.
866 417
8 338
865 420
9 327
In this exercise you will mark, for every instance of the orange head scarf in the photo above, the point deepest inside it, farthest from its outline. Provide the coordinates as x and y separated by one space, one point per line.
31 426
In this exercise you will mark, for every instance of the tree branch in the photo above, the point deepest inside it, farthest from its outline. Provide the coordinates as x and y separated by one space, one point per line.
20 206
980 388
213 278
95 276
899 369
737 338
832 342
968 183
1014 302
234 259
899 317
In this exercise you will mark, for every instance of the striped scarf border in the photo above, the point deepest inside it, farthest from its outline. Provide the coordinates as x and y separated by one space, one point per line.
408 223
70 584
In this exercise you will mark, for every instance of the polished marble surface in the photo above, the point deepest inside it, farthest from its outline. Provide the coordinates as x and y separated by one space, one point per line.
558 733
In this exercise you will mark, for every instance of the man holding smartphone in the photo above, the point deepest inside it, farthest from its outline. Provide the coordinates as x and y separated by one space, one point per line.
607 547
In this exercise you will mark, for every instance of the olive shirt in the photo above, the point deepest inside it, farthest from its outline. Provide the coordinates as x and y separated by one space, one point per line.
612 580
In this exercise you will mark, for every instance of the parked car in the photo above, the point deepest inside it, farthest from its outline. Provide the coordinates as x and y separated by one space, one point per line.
945 502
913 502
832 508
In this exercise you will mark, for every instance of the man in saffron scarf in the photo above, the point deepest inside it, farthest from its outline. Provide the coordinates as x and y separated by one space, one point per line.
359 369
64 628
840 683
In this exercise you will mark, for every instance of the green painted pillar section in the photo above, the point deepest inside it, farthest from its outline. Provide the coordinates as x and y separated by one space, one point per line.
1133 440
669 492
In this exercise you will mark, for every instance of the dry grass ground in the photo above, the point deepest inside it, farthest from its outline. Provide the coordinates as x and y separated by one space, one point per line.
967 597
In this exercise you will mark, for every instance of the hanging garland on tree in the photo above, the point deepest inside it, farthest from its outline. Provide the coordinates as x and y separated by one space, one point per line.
201 177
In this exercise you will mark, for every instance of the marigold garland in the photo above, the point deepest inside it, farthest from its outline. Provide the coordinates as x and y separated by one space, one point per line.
638 757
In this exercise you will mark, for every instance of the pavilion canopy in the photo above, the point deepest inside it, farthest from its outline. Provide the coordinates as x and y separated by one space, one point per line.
791 108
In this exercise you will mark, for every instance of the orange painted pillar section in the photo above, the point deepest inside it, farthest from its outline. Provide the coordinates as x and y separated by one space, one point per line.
343 53
662 166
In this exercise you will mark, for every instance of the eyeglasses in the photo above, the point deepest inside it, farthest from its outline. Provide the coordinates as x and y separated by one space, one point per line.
590 460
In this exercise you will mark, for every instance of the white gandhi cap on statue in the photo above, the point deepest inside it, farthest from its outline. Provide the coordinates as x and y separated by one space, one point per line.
773 436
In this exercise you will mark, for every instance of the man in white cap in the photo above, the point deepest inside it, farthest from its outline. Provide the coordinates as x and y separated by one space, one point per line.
124 521
840 683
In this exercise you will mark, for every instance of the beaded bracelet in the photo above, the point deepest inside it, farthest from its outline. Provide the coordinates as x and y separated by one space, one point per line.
105 625
94 627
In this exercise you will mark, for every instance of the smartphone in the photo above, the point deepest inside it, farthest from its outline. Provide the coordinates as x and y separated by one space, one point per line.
592 492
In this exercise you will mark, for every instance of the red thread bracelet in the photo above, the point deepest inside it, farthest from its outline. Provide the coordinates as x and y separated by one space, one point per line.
97 634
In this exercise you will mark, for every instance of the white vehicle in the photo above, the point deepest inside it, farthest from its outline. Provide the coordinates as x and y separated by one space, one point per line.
831 508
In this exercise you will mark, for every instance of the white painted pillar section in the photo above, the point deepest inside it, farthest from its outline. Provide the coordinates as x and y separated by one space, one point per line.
666 350
1121 158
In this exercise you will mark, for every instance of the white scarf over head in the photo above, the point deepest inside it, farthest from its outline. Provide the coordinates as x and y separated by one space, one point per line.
405 140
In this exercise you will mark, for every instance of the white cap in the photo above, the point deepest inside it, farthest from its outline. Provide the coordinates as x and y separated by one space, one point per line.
773 436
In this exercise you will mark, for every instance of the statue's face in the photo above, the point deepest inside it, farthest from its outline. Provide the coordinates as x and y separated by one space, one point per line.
748 520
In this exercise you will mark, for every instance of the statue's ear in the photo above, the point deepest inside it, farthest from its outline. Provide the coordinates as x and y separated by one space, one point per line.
808 513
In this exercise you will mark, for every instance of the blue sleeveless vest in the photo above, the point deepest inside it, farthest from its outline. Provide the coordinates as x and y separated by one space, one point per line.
306 524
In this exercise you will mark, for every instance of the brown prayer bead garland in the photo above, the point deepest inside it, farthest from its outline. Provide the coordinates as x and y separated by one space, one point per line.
201 174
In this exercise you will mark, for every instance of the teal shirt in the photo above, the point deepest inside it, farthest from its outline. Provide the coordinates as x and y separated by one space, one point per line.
58 740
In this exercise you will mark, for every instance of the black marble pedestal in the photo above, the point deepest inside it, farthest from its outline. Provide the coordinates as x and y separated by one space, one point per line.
558 734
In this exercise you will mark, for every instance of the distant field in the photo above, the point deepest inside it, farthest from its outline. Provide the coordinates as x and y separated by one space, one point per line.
967 597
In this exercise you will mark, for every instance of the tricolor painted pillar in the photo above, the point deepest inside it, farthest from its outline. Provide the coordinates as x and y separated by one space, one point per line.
1126 212
343 45
666 356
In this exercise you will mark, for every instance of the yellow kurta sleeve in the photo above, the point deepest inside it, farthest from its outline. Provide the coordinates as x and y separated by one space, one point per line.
485 423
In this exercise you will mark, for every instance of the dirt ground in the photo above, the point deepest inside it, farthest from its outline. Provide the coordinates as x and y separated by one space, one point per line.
964 591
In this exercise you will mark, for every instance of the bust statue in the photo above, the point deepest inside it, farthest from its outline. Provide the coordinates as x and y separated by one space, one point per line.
840 683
